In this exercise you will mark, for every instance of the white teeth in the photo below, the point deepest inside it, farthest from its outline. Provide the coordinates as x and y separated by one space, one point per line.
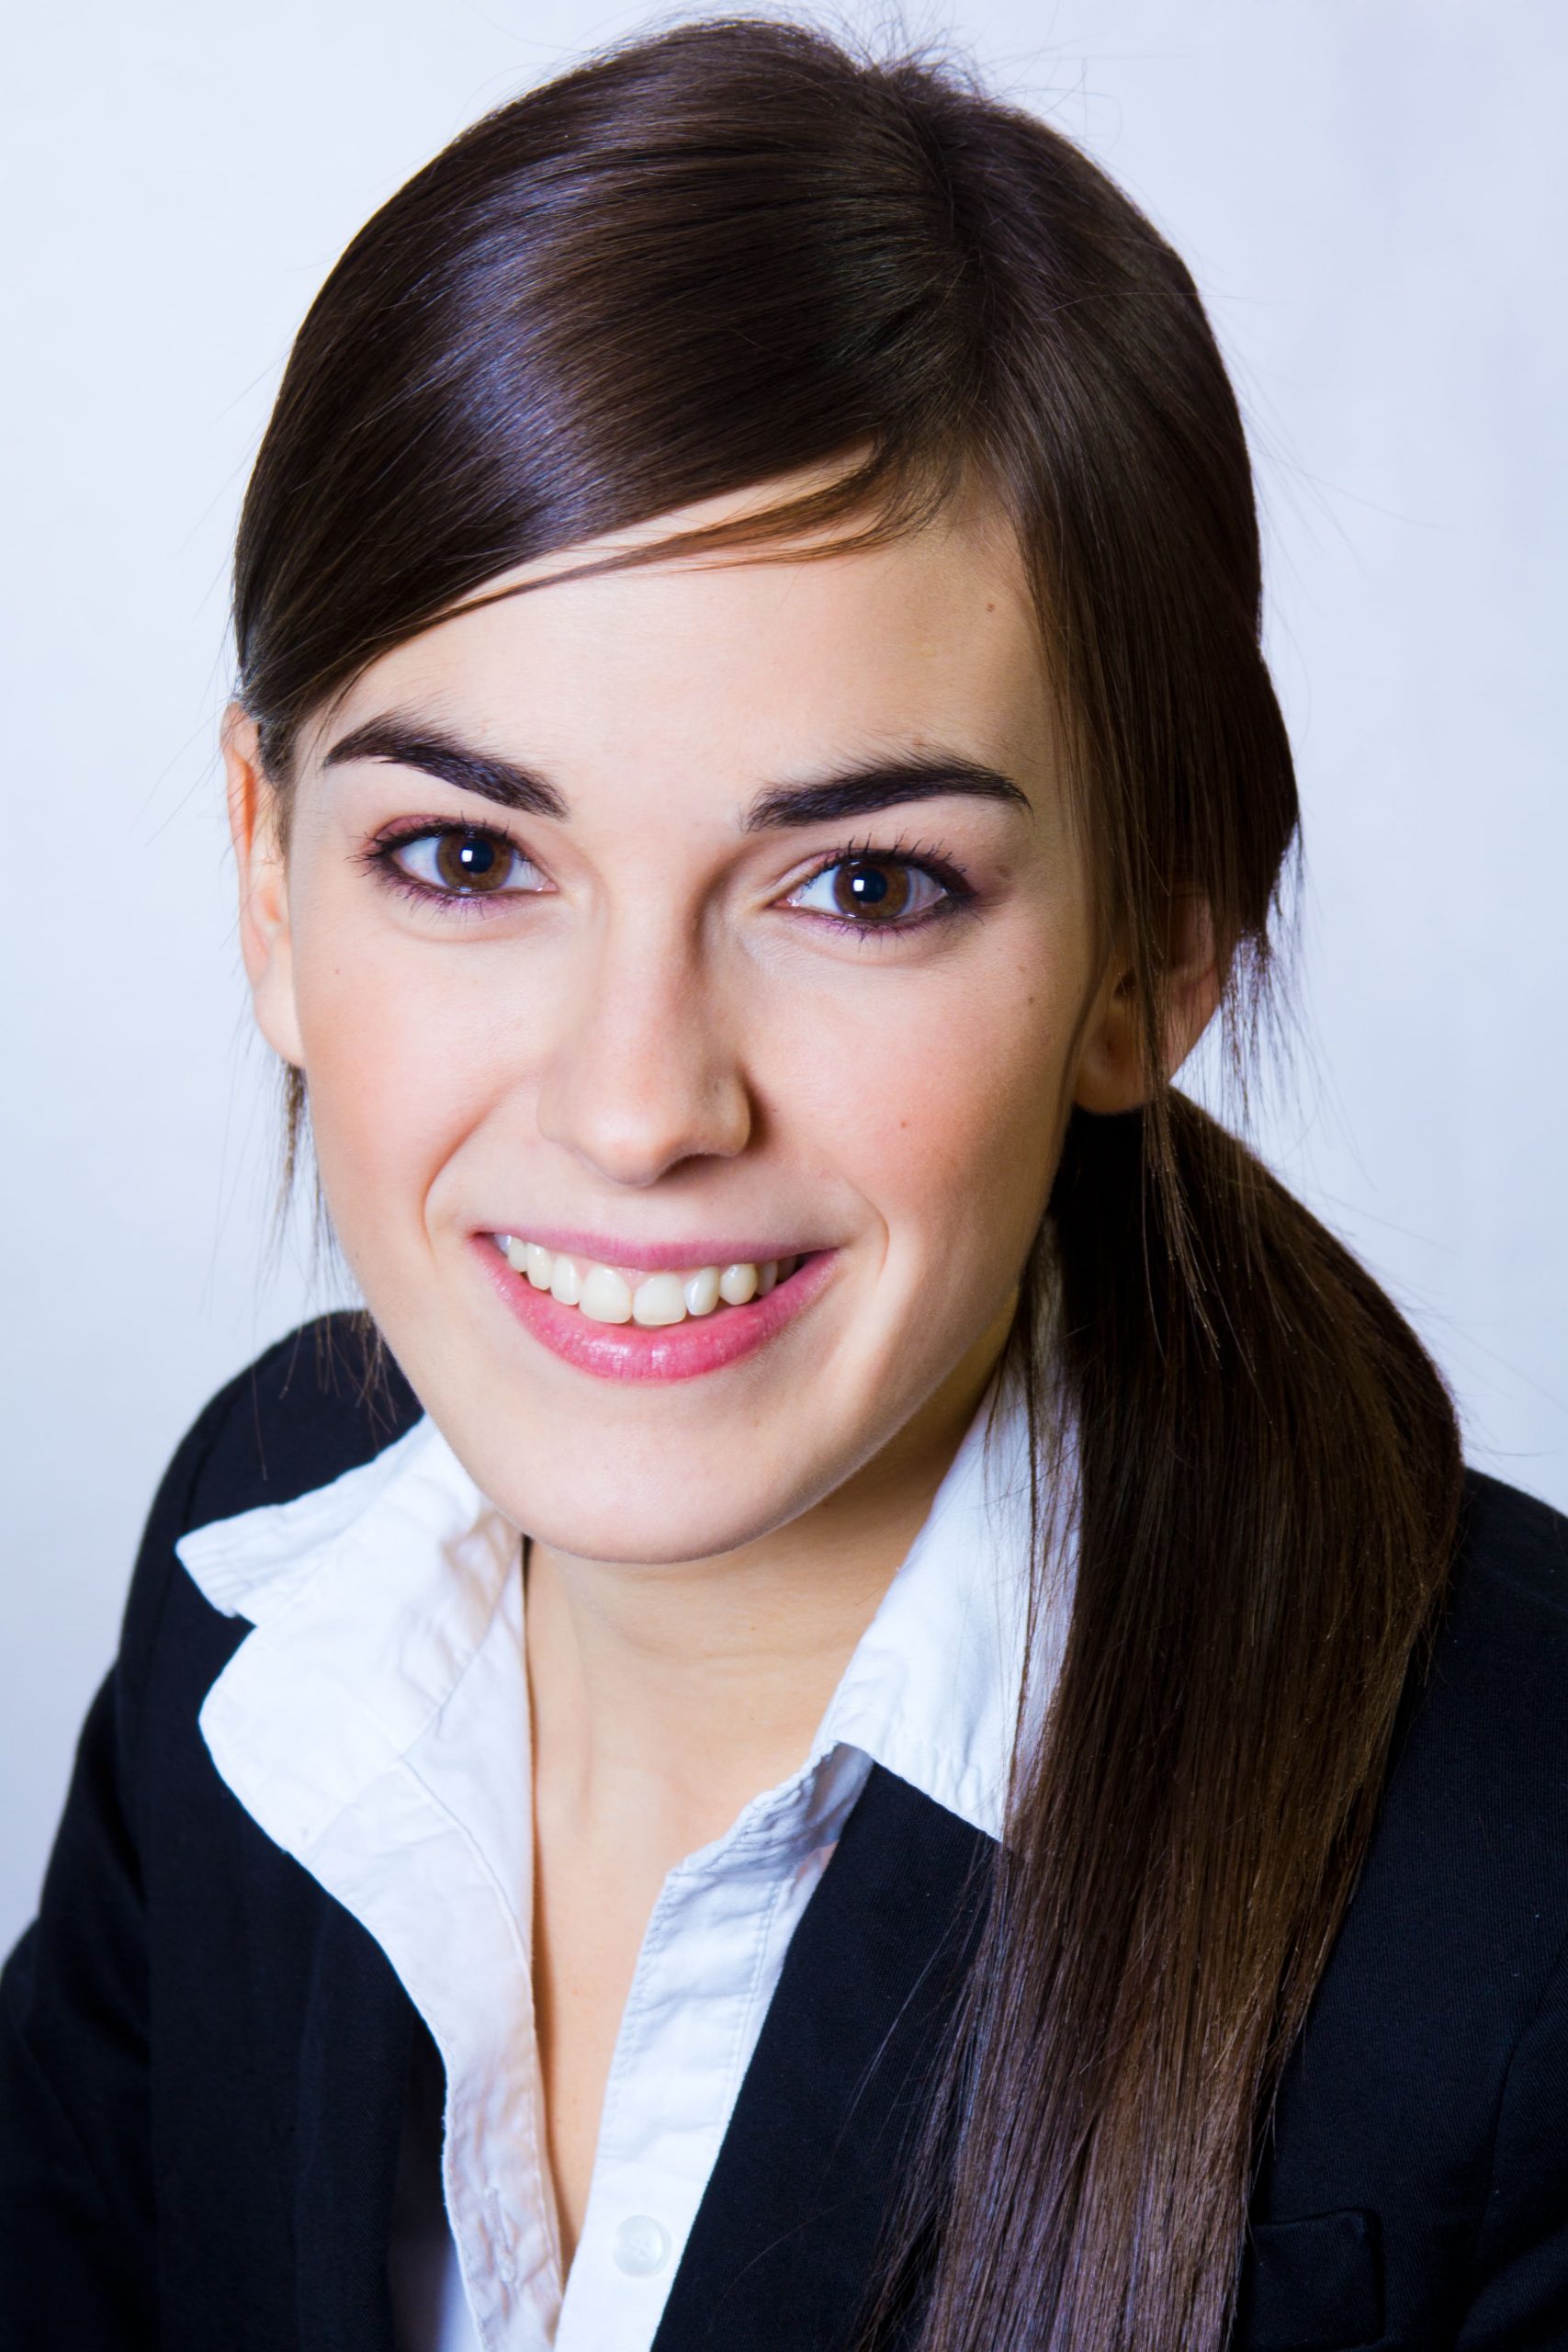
659 1299
605 1297
700 1292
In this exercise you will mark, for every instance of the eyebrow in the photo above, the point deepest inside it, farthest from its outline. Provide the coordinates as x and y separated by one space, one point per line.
855 791
879 783
406 745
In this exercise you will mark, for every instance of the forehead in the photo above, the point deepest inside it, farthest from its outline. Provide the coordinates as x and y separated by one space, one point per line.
730 666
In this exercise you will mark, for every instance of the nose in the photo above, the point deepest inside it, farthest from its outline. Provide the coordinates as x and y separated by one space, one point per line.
642 1072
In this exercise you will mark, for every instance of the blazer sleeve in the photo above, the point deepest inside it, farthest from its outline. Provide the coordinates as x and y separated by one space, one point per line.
1520 2298
77 2208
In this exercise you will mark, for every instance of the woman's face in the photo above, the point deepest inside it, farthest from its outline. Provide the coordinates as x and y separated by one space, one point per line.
694 915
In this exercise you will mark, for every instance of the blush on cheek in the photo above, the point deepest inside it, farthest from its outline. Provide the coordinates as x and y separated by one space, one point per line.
394 1085
962 1116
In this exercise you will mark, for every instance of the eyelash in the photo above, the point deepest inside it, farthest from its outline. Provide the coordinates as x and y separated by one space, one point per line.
380 860
923 858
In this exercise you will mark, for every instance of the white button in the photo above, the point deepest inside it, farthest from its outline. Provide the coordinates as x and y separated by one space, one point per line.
642 2245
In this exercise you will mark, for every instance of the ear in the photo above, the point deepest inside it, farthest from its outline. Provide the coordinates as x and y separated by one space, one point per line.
1113 1072
265 941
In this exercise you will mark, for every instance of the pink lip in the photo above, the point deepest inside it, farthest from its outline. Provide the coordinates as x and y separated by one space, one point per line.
665 1351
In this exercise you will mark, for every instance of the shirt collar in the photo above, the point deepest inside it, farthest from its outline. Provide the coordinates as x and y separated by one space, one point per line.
933 1689
370 1596
374 1723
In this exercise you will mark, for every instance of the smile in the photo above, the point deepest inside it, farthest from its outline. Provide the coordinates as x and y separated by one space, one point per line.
621 1323
605 1294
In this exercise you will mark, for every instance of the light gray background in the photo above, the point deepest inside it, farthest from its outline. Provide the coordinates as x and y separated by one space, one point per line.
1372 194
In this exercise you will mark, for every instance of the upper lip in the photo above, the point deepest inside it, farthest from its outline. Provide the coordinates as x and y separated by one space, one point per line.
658 1256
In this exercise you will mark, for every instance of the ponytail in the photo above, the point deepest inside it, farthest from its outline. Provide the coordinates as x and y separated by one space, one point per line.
1269 1486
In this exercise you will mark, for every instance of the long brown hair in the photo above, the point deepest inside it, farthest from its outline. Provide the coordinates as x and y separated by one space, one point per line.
736 249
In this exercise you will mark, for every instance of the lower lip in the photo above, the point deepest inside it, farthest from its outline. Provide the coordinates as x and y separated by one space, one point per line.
660 1351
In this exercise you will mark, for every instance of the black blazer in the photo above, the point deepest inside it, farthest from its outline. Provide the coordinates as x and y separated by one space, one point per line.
205 2062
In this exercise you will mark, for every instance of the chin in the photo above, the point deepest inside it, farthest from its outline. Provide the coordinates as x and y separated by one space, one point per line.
652 1503
643 1475
640 1530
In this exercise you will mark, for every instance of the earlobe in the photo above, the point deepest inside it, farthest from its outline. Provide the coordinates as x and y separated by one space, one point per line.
1113 1073
1110 1074
265 938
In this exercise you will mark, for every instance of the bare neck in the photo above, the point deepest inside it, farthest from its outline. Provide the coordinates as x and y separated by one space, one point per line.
672 1695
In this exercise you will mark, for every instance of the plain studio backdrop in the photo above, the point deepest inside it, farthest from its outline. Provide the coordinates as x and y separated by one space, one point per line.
1371 195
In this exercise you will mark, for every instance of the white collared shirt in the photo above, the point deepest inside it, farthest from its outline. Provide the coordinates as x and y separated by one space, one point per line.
375 1724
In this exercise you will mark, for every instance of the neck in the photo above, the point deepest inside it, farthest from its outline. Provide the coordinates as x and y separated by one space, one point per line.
675 1693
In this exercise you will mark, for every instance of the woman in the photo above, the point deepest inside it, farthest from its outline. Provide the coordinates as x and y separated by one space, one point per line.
870 1705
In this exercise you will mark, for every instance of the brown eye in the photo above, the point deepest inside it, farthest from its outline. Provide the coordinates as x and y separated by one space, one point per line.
874 888
472 861
873 893
462 863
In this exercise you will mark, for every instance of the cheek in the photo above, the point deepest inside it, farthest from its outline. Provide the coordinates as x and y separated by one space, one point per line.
944 1104
399 1063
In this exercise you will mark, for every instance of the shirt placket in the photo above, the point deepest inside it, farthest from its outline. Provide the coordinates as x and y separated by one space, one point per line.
689 2024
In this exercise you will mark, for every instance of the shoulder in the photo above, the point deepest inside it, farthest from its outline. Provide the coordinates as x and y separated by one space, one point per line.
1472 1834
324 1400
1486 1726
1425 2089
1448 1947
1421 2105
1510 1539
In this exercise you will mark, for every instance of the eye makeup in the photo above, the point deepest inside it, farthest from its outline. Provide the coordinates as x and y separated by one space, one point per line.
471 866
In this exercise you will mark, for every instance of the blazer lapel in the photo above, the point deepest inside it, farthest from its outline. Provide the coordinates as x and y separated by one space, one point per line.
335 2035
353 2069
784 2239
